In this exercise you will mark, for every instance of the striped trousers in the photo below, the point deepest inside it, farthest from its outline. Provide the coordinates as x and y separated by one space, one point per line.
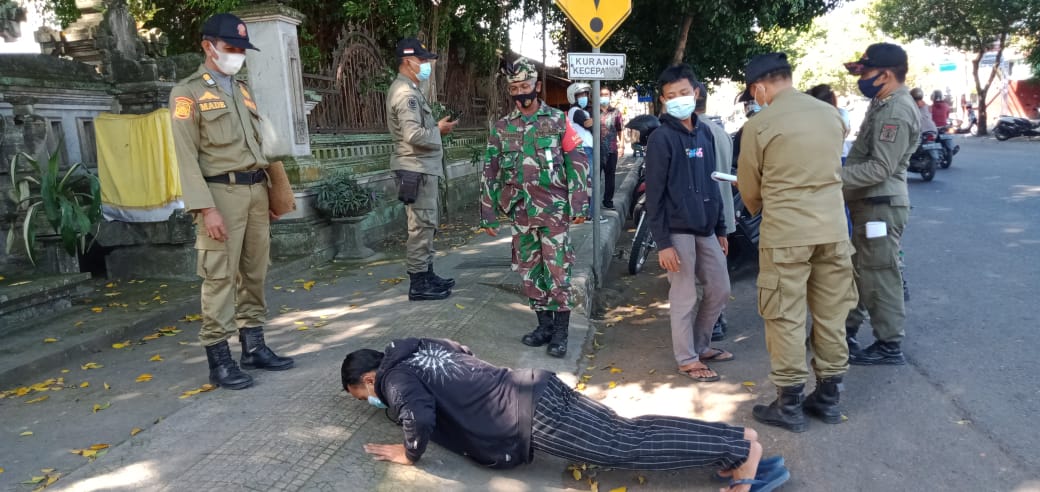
570 425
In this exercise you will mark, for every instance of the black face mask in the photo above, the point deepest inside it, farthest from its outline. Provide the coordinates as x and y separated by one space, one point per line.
526 100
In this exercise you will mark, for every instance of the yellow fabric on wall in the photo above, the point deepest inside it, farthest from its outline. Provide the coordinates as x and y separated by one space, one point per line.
137 164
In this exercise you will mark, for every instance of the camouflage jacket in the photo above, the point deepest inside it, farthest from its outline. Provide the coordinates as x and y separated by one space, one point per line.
528 176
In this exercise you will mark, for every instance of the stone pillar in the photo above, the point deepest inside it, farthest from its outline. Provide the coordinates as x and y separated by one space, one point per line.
276 77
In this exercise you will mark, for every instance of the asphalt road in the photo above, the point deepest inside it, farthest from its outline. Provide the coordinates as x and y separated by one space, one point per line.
959 417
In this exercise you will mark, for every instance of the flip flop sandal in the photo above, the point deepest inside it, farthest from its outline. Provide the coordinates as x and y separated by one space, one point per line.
768 483
701 379
720 356
765 467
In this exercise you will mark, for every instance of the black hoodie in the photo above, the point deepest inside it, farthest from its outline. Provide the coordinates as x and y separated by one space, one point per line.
437 390
681 197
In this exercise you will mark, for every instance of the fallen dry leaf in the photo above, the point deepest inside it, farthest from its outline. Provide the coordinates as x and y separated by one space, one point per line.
612 385
153 336
202 389
619 489
302 328
65 371
580 387
135 431
34 480
37 400
144 378
156 358
84 384
652 371
91 365
97 309
308 285
642 479
615 370
576 473
98 408
50 340
963 422
110 285
107 387
77 324
26 434
460 306
748 383
1 468
192 317
122 345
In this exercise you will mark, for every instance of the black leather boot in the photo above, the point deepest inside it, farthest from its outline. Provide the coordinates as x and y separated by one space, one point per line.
223 371
719 331
879 353
542 333
438 281
823 401
561 327
786 411
257 355
421 289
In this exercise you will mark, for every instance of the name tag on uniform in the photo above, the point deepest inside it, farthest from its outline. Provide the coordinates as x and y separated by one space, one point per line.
210 106
549 158
695 152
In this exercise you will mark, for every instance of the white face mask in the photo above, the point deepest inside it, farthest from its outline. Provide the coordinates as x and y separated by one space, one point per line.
681 107
228 63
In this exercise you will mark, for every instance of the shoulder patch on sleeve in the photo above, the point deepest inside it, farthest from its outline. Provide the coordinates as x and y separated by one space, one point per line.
888 133
183 107
413 104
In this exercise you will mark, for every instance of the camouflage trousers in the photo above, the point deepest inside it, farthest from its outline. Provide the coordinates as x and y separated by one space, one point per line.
543 257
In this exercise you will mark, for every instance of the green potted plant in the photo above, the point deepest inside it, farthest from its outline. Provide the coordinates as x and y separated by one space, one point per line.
346 203
339 196
69 201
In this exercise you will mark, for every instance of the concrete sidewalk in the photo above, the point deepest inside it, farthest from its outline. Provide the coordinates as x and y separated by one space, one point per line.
295 430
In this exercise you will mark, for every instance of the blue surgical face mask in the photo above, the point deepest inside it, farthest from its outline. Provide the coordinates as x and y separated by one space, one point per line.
761 106
583 101
867 87
681 107
375 401
425 69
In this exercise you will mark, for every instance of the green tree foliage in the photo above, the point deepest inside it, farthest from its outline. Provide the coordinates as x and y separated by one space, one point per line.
975 26
721 37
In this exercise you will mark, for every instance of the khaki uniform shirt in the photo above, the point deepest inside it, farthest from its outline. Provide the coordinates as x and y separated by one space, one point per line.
790 156
417 140
214 133
877 162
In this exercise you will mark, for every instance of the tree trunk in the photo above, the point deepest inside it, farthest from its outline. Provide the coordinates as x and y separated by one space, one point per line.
983 90
680 46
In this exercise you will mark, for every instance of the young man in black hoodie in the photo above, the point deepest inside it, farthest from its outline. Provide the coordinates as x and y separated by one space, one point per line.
689 216
438 390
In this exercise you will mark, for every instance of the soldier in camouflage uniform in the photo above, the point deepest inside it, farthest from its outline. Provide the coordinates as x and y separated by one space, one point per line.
529 177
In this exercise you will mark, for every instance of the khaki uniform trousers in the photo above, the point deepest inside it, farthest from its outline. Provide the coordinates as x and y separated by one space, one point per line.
234 271
423 216
877 269
820 276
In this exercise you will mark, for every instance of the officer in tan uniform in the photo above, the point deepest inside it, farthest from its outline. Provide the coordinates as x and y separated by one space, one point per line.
416 162
875 190
216 129
790 155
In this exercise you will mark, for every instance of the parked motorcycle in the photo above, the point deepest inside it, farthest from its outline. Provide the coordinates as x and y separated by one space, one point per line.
927 156
972 121
949 149
1011 127
643 241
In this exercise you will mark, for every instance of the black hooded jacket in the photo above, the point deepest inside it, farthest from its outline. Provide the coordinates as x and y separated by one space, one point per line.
437 390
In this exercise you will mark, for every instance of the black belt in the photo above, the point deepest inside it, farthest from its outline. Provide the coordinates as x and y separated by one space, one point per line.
241 178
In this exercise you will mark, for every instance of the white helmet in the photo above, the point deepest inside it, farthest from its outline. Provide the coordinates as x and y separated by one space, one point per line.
576 88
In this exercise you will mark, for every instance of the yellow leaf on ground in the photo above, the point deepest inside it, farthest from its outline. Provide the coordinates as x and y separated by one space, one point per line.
64 371
302 328
110 285
26 434
299 322
37 400
308 285
642 479
78 324
35 480
460 306
153 336
320 324
652 371
97 309
202 389
144 378
580 387
99 447
156 358
615 370
612 385
91 365
590 356
135 431
576 473
192 317
748 383
619 489
84 384
1 468
50 340
107 387
98 408
593 486
122 345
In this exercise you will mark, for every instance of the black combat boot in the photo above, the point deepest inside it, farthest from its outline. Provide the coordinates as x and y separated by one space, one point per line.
823 401
223 371
785 411
879 353
850 339
561 325
421 289
257 355
438 281
719 331
542 333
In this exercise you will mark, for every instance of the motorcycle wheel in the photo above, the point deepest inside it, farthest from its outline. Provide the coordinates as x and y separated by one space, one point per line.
642 243
928 173
947 160
1001 134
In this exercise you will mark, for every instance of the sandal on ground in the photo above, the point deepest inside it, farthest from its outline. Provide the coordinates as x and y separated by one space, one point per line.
716 355
691 369
765 467
766 483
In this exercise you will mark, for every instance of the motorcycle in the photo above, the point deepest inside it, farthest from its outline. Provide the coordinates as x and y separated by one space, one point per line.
643 241
927 156
1011 127
973 123
949 149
